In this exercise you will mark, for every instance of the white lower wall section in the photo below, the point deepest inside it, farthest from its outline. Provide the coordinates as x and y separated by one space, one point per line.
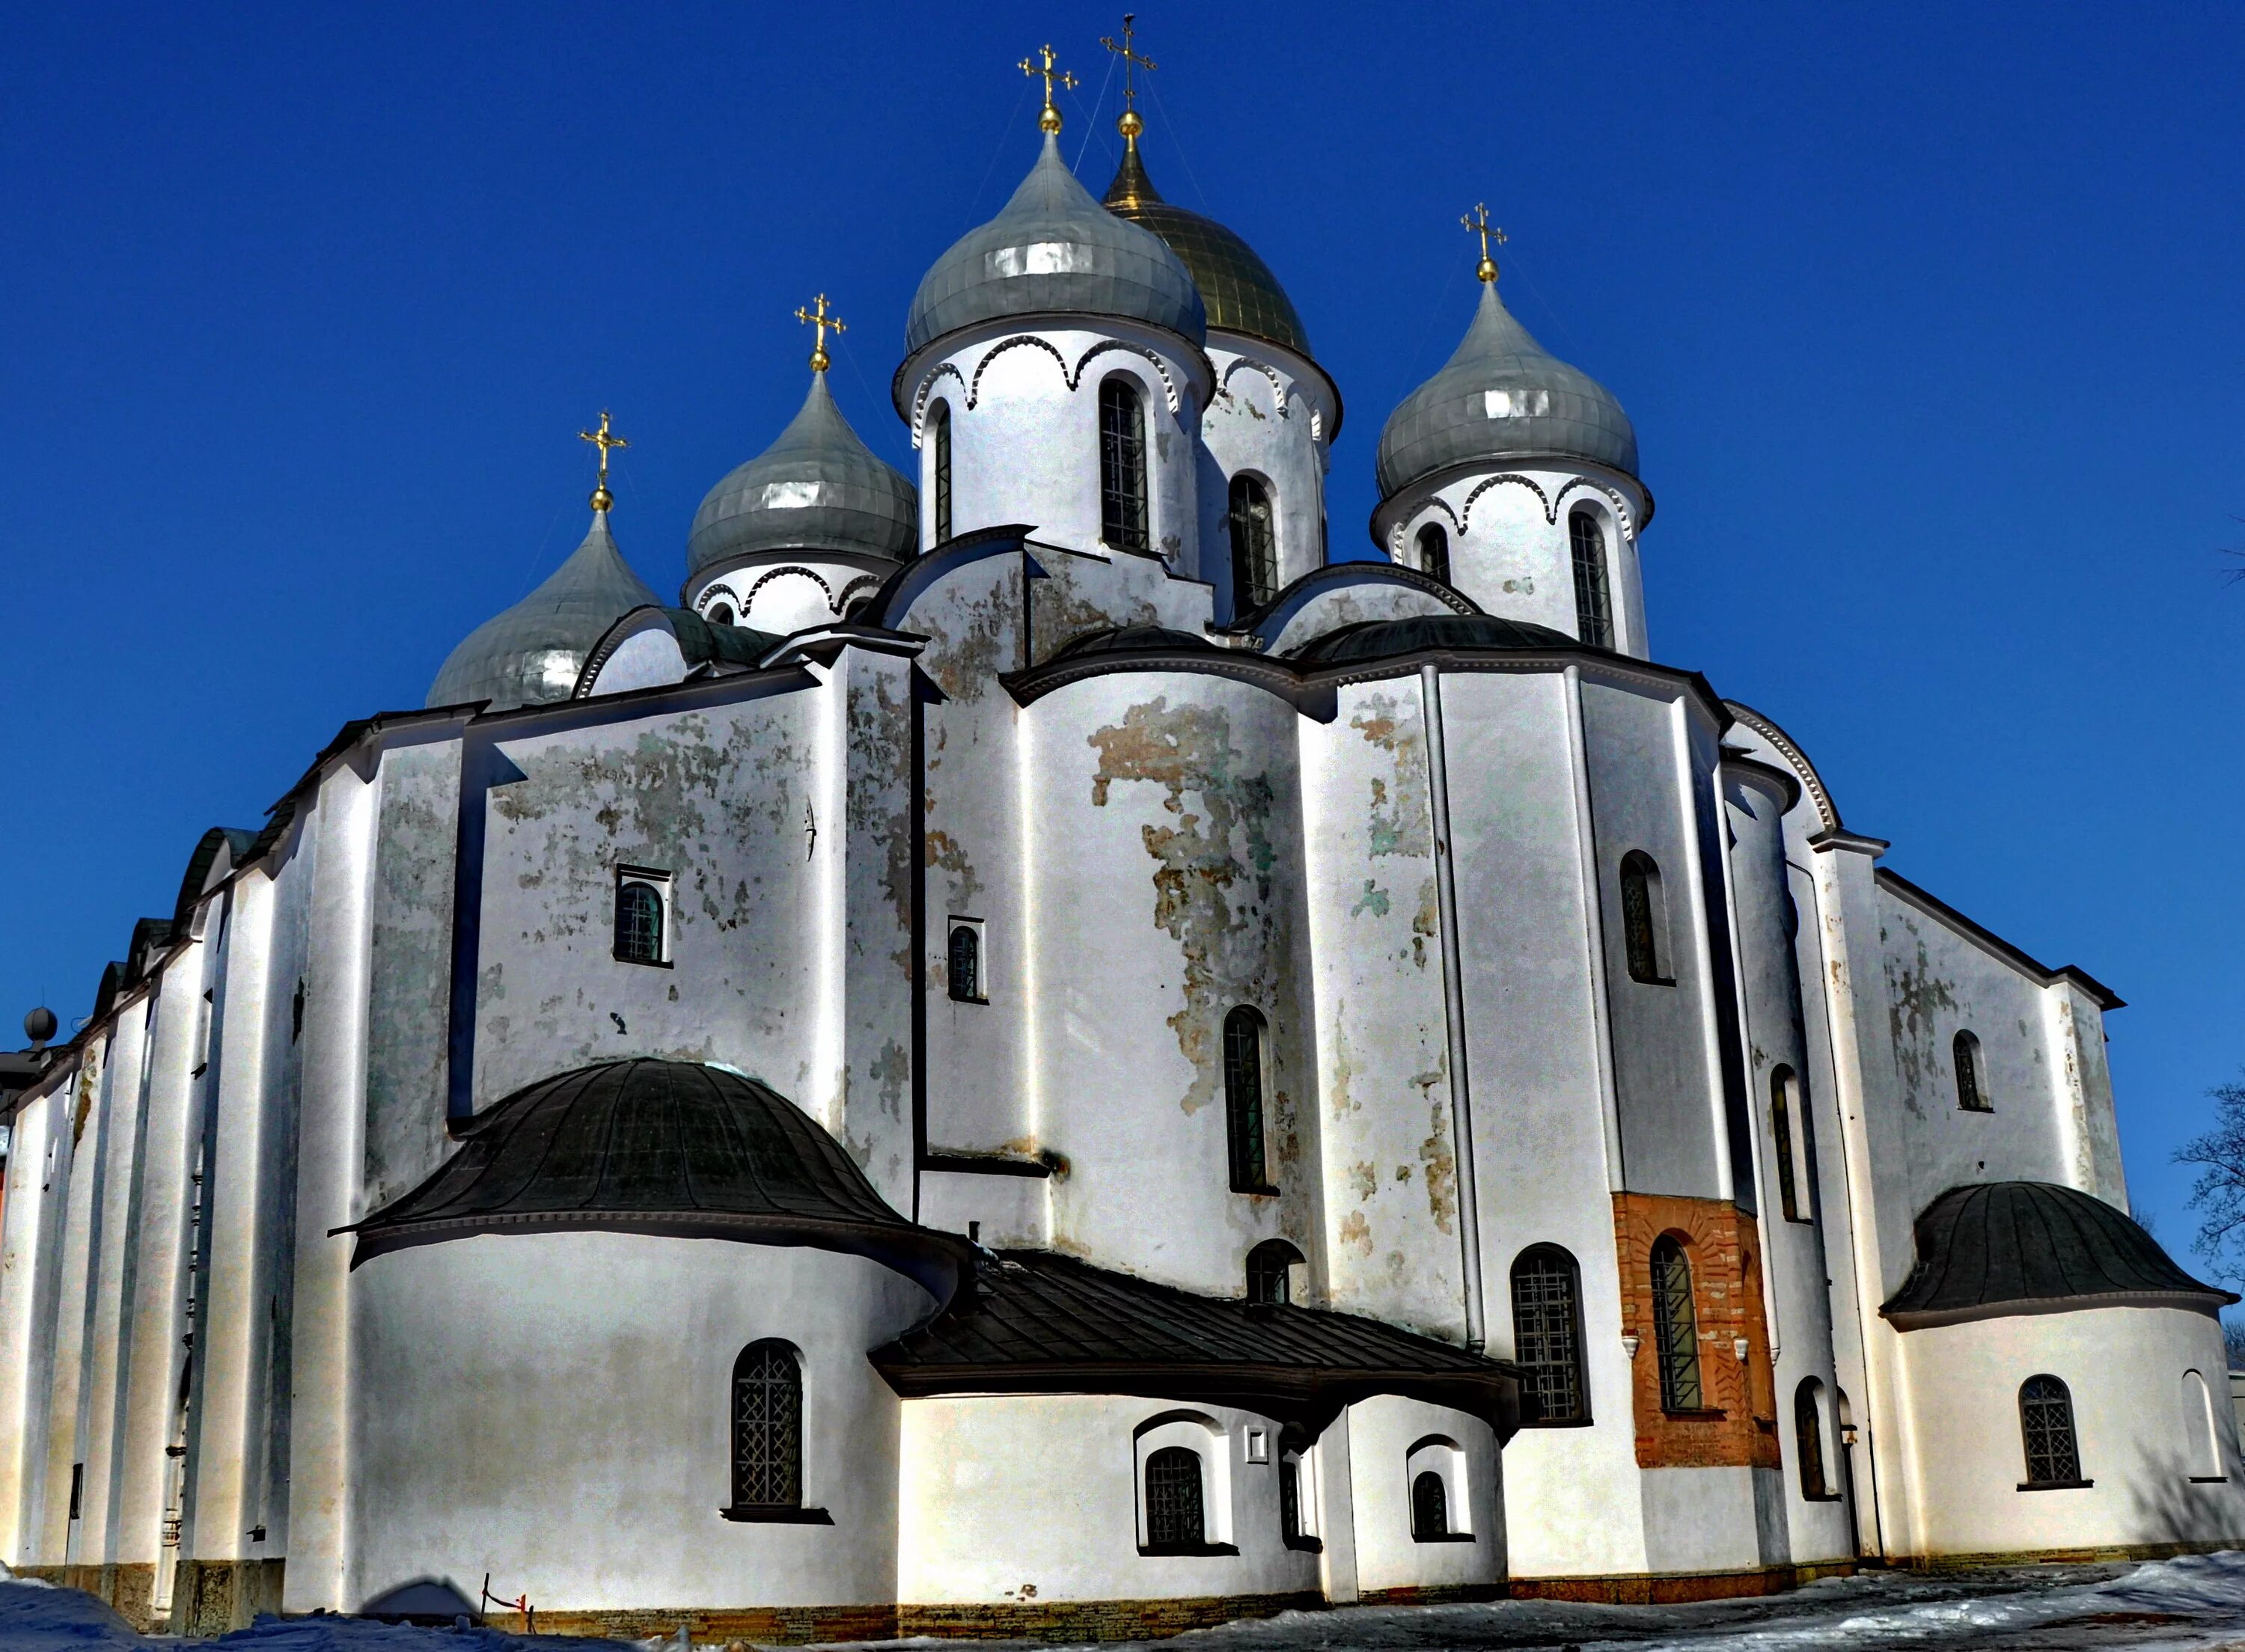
2139 1441
1013 1497
1572 1504
554 1409
1699 1519
1387 1436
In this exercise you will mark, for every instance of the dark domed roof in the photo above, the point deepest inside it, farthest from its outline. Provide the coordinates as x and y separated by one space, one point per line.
1055 250
654 1146
1502 395
819 487
2002 1248
1240 292
1376 639
533 651
1128 639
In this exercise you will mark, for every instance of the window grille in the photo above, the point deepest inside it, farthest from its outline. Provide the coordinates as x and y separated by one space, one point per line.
1643 917
939 468
1290 1496
1675 1328
1174 1517
639 923
1123 467
1808 1438
1434 551
1547 1332
767 1427
1269 1272
1243 1099
1971 1076
1254 546
966 964
2046 1421
1593 613
1430 1508
1780 1124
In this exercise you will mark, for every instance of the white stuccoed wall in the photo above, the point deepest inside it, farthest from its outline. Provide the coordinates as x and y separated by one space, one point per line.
1381 1432
1273 417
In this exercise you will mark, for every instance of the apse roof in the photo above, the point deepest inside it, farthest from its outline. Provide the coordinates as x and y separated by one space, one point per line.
817 487
1998 1248
1375 639
1239 292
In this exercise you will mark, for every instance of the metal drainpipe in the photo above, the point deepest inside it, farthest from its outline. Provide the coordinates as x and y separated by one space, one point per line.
1454 1005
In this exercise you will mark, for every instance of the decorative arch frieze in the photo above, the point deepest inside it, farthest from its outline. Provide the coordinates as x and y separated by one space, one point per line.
713 592
827 591
1465 517
1279 399
975 390
927 389
862 582
1828 812
1395 536
1612 495
1169 384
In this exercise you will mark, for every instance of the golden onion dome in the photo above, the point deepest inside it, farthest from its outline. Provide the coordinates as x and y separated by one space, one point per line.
1241 293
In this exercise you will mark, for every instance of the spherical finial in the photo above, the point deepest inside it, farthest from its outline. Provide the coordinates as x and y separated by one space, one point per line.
1130 126
602 499
1048 122
1486 269
40 1026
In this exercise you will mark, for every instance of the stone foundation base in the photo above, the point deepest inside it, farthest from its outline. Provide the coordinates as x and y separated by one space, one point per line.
1096 1619
1675 1588
1434 1595
757 1625
2060 1557
211 1598
126 1588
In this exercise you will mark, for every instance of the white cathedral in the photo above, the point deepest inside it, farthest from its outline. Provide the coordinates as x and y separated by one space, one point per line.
1038 1057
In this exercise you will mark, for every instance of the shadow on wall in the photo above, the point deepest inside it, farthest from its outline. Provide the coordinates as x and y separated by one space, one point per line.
2172 1507
434 1602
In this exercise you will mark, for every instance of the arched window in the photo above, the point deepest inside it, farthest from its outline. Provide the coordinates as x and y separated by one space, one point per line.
1808 1438
1270 1279
1547 1332
638 921
1971 1074
1593 613
1644 919
2201 1439
1782 1091
1175 1518
966 962
1243 1099
2046 1425
1290 1496
1254 546
1430 1508
1122 466
1675 1327
1434 551
767 1427
938 468
721 613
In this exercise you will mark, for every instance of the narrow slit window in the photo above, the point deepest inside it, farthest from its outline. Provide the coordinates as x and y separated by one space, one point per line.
1254 546
2046 1423
1808 1438
1547 1332
1593 612
767 1427
1434 551
1430 1508
938 428
1243 1099
1644 919
1175 1515
1971 1074
1290 1496
1123 467
1781 1125
1675 1328
1270 1273
966 964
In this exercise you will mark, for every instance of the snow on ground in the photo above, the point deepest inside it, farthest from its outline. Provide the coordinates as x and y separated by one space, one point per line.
2193 1604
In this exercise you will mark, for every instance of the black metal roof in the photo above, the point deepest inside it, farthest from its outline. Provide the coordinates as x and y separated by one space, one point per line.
1039 1322
1999 1248
671 1147
1125 639
1372 638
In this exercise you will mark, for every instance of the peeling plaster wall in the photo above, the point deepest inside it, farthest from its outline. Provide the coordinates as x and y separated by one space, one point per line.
1166 855
1086 592
1333 606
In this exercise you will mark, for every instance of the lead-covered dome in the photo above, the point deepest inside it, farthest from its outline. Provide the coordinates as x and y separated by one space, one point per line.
1236 288
1503 396
533 651
818 487
1055 250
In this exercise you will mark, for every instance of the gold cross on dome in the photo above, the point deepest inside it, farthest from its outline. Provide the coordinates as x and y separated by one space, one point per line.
602 439
1049 120
821 318
1129 125
1477 220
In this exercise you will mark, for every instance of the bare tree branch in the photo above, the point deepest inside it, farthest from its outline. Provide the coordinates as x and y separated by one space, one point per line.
2219 1190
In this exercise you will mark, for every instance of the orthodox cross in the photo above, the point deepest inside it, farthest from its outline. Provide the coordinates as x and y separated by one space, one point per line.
1130 124
1048 121
1477 220
820 318
603 440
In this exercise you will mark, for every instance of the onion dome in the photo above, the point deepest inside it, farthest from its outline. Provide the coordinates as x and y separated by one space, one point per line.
1376 639
533 651
1503 396
1240 292
1055 250
679 1148
2000 1248
819 488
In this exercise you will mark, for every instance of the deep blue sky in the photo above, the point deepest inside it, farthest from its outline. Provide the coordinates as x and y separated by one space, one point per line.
1930 320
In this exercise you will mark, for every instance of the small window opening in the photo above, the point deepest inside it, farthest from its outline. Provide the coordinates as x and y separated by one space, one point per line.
1783 1095
1430 1508
1270 1273
640 916
1547 1333
1123 467
2046 1423
1644 919
1290 1496
767 1427
1243 1099
1175 1517
1808 1438
1434 551
1254 546
1675 1328
1971 1074
1593 613
721 613
939 468
966 964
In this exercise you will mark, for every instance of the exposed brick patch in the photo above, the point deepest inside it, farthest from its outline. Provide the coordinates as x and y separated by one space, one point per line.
1095 1619
1723 1248
1677 1588
1433 1595
763 1625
